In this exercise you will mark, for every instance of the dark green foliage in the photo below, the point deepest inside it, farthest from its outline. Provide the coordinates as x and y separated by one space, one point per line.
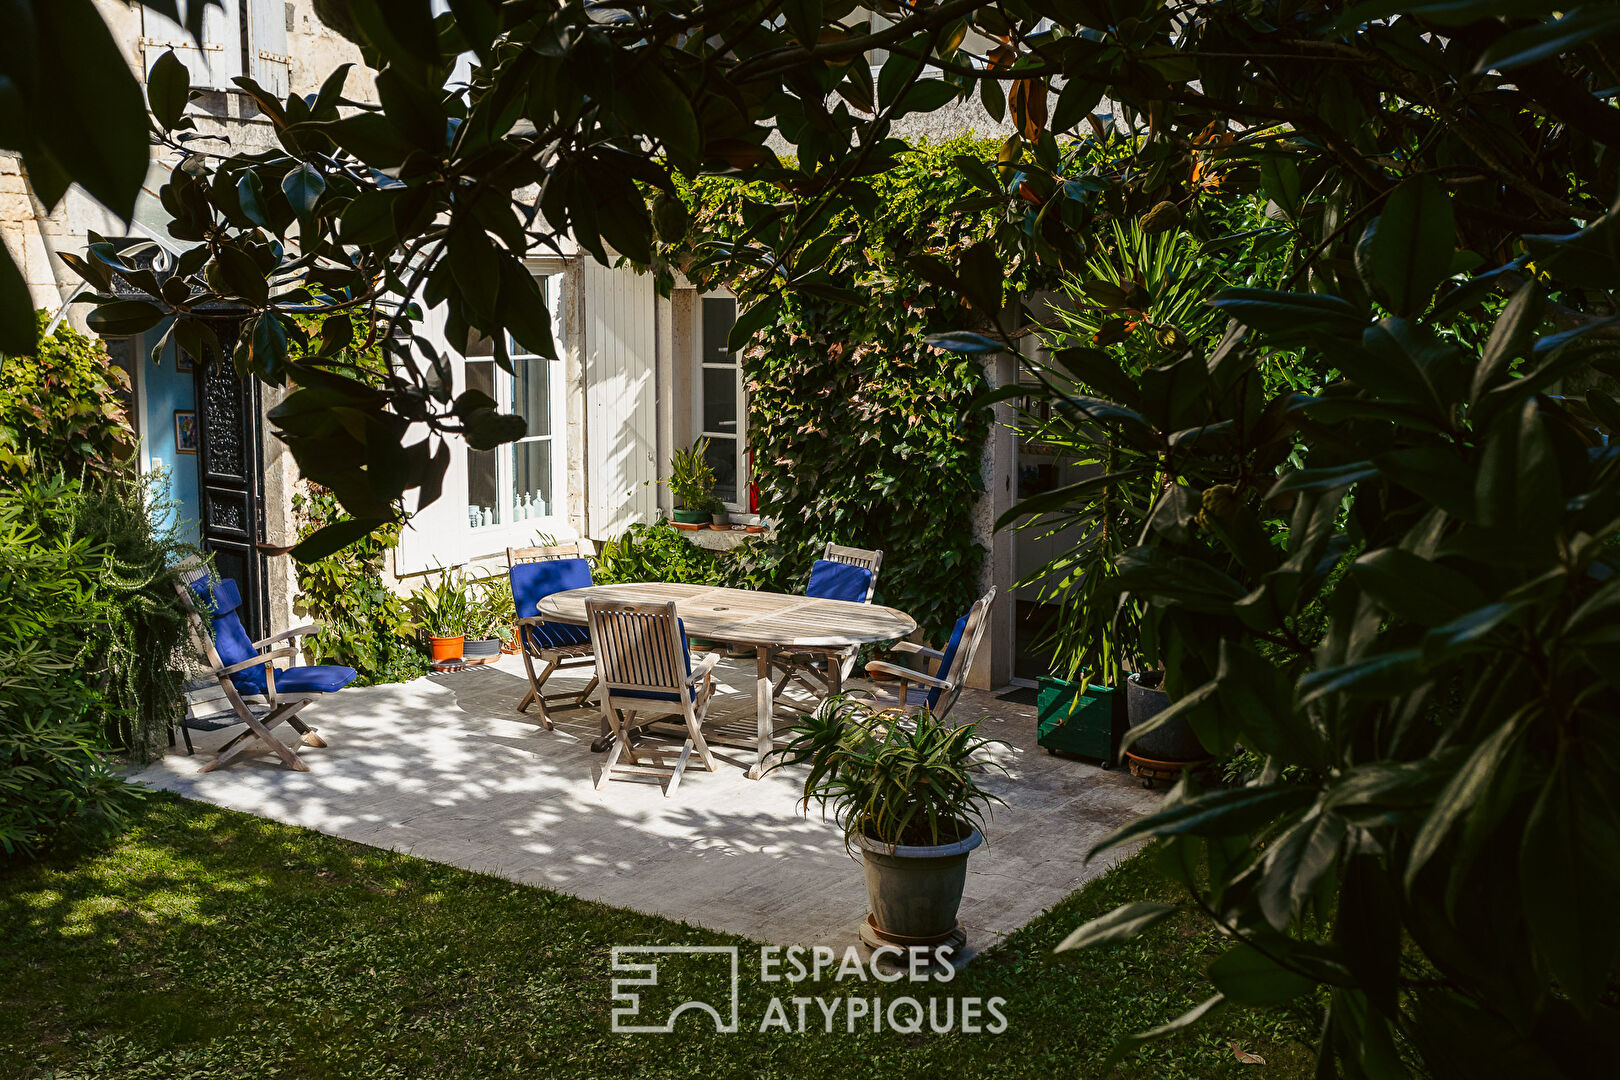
91 650
62 405
363 623
658 552
104 974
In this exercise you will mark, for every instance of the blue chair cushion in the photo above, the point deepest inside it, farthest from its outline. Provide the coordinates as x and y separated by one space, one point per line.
218 601
532 582
945 661
319 679
838 581
660 695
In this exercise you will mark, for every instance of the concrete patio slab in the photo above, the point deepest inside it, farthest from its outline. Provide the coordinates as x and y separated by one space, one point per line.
446 768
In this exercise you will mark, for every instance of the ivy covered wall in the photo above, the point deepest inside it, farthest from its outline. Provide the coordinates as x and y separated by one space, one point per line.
861 432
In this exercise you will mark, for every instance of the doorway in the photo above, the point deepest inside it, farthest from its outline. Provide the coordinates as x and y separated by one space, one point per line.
1038 468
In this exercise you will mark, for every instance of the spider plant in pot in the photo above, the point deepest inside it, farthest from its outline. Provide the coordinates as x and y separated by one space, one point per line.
691 480
489 623
443 611
905 790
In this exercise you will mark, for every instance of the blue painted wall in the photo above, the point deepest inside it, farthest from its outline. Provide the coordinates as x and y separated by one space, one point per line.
166 391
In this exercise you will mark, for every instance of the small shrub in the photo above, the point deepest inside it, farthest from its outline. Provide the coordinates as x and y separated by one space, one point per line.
658 552
364 624
64 406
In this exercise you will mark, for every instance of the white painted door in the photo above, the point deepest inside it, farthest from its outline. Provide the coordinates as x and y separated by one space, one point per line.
620 394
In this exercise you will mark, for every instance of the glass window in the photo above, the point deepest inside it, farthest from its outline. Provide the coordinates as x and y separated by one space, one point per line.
518 481
720 409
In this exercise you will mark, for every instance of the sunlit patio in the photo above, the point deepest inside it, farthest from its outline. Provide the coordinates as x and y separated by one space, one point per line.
446 768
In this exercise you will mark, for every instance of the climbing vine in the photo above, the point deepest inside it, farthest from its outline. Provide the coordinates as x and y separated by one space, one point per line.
862 433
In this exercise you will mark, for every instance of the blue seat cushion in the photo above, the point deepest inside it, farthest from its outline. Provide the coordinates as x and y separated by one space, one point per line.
316 679
945 660
838 581
218 601
551 635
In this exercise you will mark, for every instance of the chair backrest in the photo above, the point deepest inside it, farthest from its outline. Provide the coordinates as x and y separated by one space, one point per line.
224 641
639 647
517 555
536 579
957 660
830 580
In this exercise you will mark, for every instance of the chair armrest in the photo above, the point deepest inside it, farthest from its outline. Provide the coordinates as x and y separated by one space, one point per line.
884 670
257 661
920 650
297 631
704 667
535 620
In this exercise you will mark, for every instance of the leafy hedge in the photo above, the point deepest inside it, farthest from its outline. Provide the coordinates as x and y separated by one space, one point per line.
862 433
91 660
62 405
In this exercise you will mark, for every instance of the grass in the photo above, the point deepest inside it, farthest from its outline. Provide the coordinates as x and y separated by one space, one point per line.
210 944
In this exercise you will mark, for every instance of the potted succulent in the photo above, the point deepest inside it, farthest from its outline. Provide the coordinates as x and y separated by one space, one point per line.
719 516
691 480
443 612
904 790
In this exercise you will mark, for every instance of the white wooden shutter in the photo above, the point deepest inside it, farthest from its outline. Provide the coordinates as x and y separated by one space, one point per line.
267 45
620 400
219 60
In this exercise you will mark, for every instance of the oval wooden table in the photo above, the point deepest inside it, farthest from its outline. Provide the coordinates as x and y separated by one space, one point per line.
763 620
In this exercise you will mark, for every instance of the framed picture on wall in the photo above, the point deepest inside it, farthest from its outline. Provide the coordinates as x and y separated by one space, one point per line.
182 361
185 431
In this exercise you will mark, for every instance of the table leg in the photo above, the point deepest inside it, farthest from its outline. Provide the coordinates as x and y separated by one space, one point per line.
765 702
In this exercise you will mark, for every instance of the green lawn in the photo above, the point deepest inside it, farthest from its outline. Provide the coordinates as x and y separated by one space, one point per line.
210 944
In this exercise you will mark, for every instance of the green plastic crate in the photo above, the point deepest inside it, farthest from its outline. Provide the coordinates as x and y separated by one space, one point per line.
1087 725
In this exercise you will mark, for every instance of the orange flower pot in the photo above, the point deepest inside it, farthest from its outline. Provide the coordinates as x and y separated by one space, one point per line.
446 648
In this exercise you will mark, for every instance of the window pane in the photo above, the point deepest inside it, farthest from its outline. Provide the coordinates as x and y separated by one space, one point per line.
531 479
719 313
483 497
720 400
722 458
531 394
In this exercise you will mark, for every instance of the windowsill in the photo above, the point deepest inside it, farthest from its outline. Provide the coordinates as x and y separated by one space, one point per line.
720 539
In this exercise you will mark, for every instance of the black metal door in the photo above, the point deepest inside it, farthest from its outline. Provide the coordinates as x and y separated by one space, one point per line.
231 475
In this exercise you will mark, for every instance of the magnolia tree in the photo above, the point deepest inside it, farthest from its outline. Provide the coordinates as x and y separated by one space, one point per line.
1393 583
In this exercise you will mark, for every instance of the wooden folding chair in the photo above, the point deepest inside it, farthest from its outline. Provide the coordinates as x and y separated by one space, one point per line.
645 667
913 689
535 573
842 573
244 671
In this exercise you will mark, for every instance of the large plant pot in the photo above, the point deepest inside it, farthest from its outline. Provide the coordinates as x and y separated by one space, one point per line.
691 517
446 648
481 650
1174 741
1080 719
915 891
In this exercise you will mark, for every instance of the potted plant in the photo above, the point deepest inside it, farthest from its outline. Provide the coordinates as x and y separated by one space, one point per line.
489 625
691 480
719 516
443 612
904 790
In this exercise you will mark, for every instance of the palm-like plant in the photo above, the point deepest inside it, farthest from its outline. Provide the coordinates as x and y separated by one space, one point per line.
892 777
444 609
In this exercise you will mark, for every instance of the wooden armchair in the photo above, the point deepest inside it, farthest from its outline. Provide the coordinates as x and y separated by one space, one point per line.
909 688
243 669
535 573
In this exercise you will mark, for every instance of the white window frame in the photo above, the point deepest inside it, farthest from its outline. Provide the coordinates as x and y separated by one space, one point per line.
555 523
701 364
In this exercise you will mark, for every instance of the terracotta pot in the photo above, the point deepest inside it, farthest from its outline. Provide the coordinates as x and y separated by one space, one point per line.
446 648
